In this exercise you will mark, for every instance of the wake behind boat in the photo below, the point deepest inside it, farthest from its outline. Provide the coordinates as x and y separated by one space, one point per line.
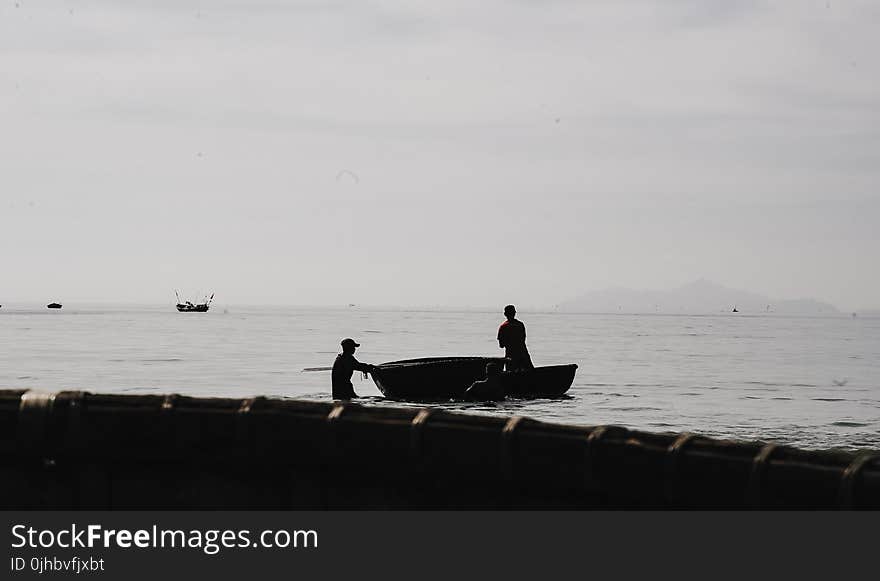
449 377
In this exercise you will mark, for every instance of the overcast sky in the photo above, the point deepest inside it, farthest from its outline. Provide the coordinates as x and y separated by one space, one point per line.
437 153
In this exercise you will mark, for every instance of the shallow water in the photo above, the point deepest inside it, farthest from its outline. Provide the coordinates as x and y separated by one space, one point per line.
805 381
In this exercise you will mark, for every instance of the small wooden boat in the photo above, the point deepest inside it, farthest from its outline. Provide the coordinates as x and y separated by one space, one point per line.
53 306
449 377
430 377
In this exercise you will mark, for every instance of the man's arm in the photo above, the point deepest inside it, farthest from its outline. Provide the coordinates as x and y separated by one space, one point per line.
364 367
500 335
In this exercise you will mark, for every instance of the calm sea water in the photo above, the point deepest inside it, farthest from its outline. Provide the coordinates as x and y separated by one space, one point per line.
810 382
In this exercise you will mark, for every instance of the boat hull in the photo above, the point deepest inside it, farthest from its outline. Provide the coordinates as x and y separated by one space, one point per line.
430 377
449 377
192 308
548 381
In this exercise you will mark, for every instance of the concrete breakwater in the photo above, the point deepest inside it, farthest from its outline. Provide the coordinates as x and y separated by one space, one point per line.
78 450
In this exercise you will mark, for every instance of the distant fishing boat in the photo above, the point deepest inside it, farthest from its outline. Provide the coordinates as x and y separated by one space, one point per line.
734 309
189 307
53 306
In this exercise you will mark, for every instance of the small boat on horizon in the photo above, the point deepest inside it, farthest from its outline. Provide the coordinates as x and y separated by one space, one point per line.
53 306
189 307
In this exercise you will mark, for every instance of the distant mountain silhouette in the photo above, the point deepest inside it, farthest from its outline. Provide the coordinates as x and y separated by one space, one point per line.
700 296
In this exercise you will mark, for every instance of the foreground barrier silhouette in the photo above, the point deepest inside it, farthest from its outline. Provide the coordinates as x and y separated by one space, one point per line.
78 450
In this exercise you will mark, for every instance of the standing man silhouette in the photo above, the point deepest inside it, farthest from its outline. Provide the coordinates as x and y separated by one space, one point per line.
512 337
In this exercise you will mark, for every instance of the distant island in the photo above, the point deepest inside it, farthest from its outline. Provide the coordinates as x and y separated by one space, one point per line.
700 296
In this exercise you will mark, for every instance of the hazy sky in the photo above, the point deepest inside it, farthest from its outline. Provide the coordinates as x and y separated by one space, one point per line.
437 153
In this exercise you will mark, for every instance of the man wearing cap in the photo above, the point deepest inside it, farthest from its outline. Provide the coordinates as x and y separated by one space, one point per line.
344 366
512 337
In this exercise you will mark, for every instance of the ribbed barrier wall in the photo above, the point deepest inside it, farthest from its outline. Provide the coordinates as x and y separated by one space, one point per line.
77 450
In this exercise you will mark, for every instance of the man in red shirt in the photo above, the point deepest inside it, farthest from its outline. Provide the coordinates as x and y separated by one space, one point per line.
512 337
